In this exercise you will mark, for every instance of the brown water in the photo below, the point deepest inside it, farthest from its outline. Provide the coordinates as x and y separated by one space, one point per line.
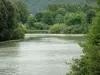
38 55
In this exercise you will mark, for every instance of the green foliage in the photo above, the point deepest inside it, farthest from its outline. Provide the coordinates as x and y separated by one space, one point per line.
31 21
73 7
9 21
90 15
76 23
38 16
89 63
19 32
57 28
61 11
74 18
59 18
47 17
86 7
41 26
38 5
22 10
76 29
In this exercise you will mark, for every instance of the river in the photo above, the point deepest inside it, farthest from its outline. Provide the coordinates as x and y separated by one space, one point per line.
39 54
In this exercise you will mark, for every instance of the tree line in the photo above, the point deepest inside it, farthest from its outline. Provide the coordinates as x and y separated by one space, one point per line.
16 20
63 18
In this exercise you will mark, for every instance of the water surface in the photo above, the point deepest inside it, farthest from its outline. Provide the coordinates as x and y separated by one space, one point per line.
39 55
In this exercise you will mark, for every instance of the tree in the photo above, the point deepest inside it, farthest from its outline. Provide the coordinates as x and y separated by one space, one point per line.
38 16
53 7
7 19
59 18
22 10
86 7
31 21
74 18
47 17
61 11
89 16
73 7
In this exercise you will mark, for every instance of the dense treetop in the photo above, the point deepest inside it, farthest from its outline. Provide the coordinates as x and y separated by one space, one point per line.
37 5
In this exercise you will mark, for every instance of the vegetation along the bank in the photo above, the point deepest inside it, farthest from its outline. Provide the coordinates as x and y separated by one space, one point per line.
13 14
57 18
89 63
63 18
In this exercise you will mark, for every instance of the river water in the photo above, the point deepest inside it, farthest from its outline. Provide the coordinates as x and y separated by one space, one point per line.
39 54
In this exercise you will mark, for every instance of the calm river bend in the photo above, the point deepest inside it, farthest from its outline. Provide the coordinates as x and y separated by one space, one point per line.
39 54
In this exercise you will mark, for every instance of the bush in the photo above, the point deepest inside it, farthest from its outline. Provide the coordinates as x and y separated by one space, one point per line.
68 30
57 28
41 26
74 29
19 32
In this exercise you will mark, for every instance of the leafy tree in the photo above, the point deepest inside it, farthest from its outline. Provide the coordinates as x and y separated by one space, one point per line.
73 7
9 23
61 11
59 18
38 16
89 16
47 17
53 7
75 18
31 21
7 19
86 7
22 10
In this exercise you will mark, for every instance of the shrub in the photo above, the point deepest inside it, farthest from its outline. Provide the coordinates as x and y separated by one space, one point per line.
68 30
57 28
41 26
19 32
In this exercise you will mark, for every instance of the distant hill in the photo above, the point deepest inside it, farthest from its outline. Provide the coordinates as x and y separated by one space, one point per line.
37 5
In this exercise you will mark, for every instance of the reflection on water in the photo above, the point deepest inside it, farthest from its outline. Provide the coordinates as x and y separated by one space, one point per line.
38 55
